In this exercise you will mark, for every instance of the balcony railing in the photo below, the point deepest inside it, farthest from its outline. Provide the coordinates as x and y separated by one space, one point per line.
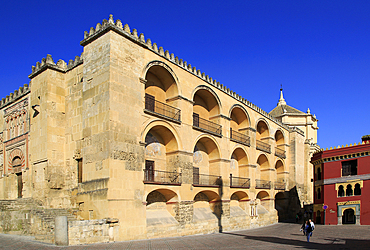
280 153
162 109
206 125
263 184
279 185
263 146
161 177
206 180
239 182
239 137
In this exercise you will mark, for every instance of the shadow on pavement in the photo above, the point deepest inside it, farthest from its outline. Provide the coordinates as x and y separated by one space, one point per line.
336 243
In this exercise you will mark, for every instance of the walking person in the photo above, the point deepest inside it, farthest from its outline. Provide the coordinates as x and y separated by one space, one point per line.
308 230
312 226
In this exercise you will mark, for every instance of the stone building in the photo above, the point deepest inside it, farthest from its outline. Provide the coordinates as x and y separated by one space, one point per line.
133 137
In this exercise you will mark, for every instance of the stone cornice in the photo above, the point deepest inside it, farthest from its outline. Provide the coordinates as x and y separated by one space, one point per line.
343 179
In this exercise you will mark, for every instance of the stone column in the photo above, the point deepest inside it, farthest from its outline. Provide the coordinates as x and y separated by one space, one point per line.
61 231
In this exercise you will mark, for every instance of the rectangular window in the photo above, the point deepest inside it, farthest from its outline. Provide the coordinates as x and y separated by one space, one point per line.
349 168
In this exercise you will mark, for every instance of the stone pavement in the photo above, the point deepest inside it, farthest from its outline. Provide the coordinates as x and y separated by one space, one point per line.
278 236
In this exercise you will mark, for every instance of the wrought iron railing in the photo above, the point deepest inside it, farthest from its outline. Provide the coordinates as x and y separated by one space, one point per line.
206 180
280 153
263 146
162 177
161 108
263 184
279 185
239 182
204 124
239 137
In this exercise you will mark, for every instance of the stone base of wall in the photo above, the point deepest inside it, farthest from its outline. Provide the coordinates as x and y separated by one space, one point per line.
213 226
92 231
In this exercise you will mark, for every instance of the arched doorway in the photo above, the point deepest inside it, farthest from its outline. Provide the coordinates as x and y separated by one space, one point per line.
17 164
349 216
282 206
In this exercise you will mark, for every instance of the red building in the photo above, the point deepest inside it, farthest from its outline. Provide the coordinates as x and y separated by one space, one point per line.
342 184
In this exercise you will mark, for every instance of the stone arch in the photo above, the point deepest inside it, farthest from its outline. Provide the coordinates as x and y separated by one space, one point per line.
164 72
215 154
161 206
207 202
240 116
262 129
207 104
161 148
279 138
239 204
280 170
263 195
239 196
206 157
239 163
161 195
165 124
16 153
264 170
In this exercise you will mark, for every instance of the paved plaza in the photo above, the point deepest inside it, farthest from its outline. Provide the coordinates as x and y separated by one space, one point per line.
278 236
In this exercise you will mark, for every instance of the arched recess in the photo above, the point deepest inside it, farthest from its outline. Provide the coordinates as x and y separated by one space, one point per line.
239 199
206 110
16 154
279 138
280 144
263 202
265 171
239 124
161 88
206 157
160 147
161 207
207 205
281 174
262 130
263 136
239 167
349 216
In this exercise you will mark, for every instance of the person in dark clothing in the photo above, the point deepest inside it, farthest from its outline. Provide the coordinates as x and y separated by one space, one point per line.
308 230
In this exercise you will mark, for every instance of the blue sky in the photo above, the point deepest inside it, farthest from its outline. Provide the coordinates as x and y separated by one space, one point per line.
318 50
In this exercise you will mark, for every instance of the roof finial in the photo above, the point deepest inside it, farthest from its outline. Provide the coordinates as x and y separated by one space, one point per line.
281 100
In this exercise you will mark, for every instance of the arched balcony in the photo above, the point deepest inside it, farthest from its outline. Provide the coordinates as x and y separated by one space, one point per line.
264 180
239 172
206 163
280 176
160 146
262 137
239 125
206 111
280 145
160 90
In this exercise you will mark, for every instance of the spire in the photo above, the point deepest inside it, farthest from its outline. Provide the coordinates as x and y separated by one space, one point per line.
281 100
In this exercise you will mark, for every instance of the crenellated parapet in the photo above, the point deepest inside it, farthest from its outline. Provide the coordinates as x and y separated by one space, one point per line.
16 95
125 30
343 146
61 66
